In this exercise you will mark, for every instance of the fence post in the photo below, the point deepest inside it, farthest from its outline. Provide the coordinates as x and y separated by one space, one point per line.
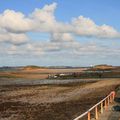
108 101
111 98
113 95
96 113
101 107
88 115
105 105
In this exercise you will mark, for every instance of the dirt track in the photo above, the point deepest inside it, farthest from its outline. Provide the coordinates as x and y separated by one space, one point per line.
53 102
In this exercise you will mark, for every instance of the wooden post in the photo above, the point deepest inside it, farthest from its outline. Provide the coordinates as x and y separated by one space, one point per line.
113 95
96 113
108 101
88 115
110 98
101 107
105 105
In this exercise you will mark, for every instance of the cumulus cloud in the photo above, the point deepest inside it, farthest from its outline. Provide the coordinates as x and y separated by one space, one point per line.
62 37
46 14
87 27
25 50
15 21
44 20
16 39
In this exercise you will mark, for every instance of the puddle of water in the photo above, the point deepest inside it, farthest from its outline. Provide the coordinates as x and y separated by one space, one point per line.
117 99
116 108
40 82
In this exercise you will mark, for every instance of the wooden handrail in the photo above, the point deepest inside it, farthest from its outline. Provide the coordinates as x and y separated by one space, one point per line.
106 101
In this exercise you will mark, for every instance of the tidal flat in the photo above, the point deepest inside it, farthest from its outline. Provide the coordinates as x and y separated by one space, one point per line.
52 102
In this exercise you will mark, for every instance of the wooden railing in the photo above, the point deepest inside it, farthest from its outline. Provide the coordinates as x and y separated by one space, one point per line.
103 104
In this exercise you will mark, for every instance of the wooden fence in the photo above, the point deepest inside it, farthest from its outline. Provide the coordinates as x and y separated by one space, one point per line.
103 104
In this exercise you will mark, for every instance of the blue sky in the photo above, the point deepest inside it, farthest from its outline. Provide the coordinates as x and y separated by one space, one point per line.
54 34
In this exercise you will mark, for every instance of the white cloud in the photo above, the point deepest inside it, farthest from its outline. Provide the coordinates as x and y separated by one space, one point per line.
15 21
86 27
45 21
25 50
13 38
46 14
62 37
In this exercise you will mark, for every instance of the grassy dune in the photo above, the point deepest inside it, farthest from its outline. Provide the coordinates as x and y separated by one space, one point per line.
34 73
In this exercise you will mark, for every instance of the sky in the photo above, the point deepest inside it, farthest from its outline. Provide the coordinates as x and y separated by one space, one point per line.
59 32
